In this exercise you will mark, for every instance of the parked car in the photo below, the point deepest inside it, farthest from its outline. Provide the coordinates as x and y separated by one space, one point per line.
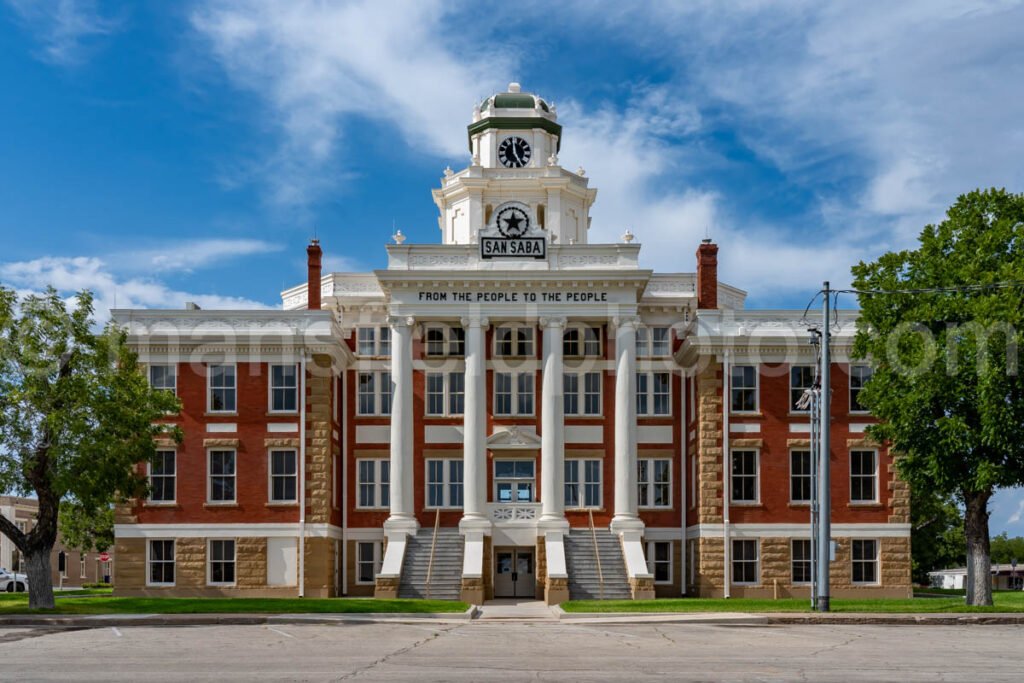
13 582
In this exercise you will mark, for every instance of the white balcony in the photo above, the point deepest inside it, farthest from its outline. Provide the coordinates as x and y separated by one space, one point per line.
514 514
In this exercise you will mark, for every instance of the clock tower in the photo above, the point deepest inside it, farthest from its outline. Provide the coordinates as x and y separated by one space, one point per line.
514 140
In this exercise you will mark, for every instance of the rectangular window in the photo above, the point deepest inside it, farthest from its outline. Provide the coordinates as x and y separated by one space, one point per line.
801 378
582 483
744 476
654 482
652 341
162 476
743 385
164 377
374 483
81 565
863 477
284 388
659 560
744 561
373 393
161 563
859 376
222 562
441 341
222 476
865 561
283 476
513 341
373 341
222 388
513 393
653 393
368 561
446 393
582 393
800 476
514 481
444 483
801 560
580 341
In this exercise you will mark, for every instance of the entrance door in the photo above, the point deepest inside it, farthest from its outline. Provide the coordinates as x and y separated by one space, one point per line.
513 573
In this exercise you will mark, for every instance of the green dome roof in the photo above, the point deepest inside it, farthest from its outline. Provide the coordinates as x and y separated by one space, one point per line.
514 99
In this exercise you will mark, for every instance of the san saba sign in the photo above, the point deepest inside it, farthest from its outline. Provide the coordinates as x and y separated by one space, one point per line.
512 234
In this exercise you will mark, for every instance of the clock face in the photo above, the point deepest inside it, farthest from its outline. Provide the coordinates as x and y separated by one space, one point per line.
512 222
514 152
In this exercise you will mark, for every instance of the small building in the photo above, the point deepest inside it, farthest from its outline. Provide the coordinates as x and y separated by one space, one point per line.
69 568
1005 577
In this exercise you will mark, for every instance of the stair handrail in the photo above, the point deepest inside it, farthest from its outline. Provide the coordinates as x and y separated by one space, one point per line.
597 555
433 547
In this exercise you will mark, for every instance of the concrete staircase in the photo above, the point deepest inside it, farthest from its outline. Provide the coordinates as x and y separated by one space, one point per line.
582 566
446 578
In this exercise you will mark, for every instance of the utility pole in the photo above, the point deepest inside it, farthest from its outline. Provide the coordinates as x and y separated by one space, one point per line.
824 545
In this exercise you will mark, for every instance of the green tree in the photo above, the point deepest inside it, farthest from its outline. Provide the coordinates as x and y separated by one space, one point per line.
936 533
85 530
946 384
1005 549
76 416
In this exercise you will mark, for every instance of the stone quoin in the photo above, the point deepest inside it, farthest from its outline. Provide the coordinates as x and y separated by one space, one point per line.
571 423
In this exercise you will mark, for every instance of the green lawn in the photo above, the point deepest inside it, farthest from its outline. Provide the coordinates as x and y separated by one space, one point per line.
17 603
1009 601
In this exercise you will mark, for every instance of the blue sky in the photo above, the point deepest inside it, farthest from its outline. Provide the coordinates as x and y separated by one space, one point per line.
159 152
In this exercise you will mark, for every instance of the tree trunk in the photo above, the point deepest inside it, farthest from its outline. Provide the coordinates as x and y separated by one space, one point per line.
979 565
40 583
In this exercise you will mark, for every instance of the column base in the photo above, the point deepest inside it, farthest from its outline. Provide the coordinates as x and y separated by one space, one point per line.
401 525
552 523
621 524
475 523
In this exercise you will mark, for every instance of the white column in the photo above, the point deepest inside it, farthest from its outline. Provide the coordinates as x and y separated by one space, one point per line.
402 518
552 428
626 516
474 439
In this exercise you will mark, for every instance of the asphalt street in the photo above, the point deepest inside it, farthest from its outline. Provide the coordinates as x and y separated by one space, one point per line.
514 651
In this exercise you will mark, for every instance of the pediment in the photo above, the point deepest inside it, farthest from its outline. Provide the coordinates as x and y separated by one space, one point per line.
513 437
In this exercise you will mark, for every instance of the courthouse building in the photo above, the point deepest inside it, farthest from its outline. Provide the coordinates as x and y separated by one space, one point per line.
511 411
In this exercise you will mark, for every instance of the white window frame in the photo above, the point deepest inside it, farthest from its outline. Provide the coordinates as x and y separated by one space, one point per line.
651 484
174 376
380 340
757 476
233 562
792 562
453 340
871 372
874 477
515 392
645 342
578 347
649 394
271 388
519 348
534 493
877 561
149 561
447 395
580 394
376 561
756 562
271 476
210 388
581 483
82 571
756 389
792 403
380 379
174 477
809 476
377 484
210 475
446 483
651 558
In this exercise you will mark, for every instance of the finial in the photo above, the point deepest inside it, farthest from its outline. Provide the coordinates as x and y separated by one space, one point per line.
448 172
581 171
627 236
476 159
553 160
514 87
398 237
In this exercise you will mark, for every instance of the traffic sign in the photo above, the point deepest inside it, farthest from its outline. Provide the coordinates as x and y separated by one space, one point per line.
104 557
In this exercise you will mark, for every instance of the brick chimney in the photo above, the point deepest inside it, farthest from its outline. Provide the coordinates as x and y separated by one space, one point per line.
313 256
707 274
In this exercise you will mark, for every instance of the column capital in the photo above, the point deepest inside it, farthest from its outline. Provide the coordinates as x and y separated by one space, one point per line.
553 322
475 321
401 320
626 321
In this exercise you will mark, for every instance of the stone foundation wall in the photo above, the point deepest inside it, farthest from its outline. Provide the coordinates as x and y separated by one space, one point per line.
709 444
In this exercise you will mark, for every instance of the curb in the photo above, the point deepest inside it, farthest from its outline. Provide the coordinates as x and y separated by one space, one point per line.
789 619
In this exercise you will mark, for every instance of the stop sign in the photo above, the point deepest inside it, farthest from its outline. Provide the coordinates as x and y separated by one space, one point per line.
104 557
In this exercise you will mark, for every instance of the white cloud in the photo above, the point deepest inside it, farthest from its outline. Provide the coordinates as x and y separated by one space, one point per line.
190 255
64 27
1015 517
315 65
69 275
